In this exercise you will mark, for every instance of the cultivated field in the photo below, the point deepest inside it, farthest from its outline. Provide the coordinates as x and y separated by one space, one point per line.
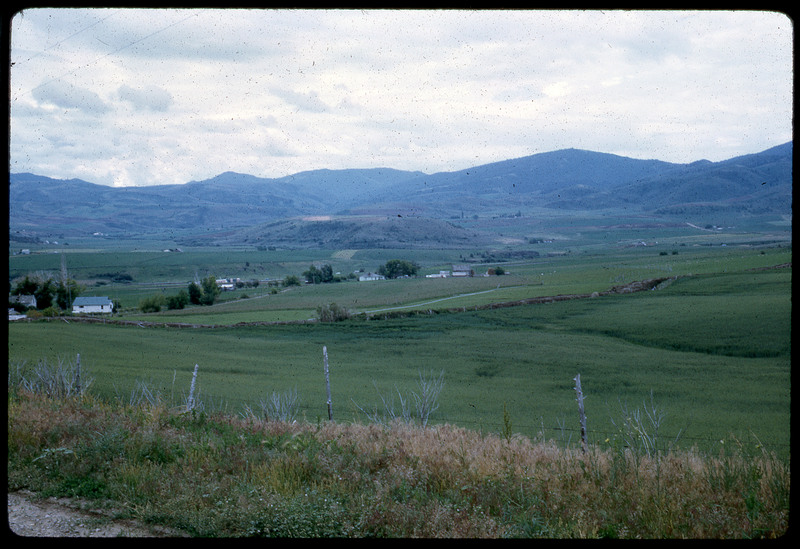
711 346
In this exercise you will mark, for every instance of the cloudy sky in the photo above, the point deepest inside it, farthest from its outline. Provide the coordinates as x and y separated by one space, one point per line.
141 97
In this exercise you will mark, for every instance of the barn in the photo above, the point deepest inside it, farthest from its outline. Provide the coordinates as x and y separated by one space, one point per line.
92 305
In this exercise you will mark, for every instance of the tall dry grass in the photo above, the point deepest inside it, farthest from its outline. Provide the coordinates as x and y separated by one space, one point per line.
222 475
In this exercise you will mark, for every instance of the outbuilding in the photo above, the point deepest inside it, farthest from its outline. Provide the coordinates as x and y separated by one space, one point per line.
92 305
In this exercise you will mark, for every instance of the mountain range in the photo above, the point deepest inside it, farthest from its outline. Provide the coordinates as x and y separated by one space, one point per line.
251 208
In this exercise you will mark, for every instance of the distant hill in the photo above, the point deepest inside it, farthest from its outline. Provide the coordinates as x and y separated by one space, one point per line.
254 207
351 232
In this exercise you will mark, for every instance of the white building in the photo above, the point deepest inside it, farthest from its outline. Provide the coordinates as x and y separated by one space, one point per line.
370 276
227 284
92 305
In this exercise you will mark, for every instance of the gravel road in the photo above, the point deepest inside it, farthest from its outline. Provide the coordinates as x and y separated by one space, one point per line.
63 518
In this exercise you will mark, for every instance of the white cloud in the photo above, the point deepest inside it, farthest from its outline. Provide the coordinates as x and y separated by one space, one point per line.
168 96
66 95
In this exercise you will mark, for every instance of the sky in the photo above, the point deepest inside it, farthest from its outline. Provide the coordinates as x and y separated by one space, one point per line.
136 97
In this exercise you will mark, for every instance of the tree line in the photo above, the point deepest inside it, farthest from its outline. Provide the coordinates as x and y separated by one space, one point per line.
49 293
204 293
394 268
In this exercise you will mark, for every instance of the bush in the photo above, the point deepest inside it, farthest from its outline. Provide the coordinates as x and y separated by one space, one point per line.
51 312
332 313
178 301
152 304
291 280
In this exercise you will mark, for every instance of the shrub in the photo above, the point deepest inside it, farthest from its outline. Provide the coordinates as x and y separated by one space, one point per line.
332 313
152 304
178 301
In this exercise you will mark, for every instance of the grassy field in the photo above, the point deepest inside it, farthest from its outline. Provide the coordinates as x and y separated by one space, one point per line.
713 347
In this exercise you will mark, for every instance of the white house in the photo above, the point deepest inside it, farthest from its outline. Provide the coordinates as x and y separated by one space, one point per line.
26 300
370 276
92 305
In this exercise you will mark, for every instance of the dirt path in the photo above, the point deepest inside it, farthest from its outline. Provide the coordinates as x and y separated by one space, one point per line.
30 517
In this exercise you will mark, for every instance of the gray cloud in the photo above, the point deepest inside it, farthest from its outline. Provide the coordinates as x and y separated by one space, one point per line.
150 98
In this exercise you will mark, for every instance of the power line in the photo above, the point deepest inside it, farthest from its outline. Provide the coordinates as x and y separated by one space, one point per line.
65 39
126 46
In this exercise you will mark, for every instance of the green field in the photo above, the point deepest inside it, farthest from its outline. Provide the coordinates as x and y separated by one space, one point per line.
713 347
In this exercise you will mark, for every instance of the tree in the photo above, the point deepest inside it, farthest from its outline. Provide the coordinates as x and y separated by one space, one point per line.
313 275
178 301
291 280
321 275
44 294
26 286
395 268
66 293
210 290
195 293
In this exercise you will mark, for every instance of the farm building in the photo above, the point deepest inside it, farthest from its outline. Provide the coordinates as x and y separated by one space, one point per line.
92 305
26 300
14 315
227 284
370 276
462 270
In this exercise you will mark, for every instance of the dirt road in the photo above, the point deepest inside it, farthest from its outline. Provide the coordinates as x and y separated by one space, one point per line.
31 517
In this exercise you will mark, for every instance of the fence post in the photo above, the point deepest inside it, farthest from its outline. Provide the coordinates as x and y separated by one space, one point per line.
581 412
78 375
190 402
327 383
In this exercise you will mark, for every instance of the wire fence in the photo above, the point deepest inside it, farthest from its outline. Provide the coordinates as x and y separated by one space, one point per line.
565 430
629 428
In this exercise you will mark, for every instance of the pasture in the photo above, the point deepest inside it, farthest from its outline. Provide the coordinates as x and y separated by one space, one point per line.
713 347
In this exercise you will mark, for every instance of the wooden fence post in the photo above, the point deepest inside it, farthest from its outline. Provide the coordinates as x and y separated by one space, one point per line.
581 412
327 382
78 374
190 402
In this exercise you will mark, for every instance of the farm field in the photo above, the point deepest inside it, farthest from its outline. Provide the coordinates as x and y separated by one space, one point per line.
712 348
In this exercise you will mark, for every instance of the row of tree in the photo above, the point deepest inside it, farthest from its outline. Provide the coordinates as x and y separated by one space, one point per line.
394 268
204 293
397 268
47 291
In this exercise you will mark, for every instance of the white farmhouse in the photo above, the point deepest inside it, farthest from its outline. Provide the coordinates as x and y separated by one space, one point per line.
92 305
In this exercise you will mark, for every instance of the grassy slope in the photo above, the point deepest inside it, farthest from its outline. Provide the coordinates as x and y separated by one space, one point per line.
222 476
695 344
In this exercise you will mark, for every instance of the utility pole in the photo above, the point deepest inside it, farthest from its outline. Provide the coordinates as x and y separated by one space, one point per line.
65 279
